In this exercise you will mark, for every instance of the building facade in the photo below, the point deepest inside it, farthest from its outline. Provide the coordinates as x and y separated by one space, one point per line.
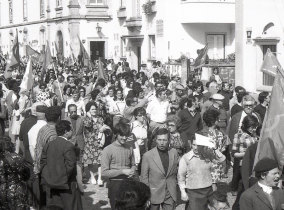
259 26
139 31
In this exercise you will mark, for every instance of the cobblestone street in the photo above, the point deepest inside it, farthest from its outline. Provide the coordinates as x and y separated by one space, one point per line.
95 197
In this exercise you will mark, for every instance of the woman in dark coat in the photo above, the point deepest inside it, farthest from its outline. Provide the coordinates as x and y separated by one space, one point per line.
13 174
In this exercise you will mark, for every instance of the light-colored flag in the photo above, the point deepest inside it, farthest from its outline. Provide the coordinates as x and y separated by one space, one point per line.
270 63
28 79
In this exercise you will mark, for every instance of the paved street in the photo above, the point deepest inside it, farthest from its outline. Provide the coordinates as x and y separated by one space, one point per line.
95 197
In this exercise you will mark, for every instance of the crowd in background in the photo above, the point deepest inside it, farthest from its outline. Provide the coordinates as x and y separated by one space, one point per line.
124 127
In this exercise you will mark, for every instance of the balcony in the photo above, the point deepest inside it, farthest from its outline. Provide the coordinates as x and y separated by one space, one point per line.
217 11
97 11
121 13
133 22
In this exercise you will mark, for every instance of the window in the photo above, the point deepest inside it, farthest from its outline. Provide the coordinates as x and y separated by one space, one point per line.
136 8
25 10
123 47
42 8
58 3
122 4
267 79
96 2
216 46
152 47
10 11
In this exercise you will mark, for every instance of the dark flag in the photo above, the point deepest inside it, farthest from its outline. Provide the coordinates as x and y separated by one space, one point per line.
101 72
35 55
47 61
83 57
271 142
14 59
201 58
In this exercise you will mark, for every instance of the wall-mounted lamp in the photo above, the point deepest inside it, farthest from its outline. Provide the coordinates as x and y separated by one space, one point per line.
98 28
83 41
249 32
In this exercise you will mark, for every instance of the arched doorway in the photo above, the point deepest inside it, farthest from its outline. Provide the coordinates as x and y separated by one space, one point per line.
59 45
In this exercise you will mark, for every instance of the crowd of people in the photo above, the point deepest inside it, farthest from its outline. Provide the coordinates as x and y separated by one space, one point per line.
155 141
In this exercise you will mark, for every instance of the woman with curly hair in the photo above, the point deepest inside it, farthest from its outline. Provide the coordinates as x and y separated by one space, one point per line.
94 128
210 118
13 175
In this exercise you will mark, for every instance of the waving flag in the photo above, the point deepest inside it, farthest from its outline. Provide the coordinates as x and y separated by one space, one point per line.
14 59
201 58
28 79
271 143
270 64
47 61
83 57
32 53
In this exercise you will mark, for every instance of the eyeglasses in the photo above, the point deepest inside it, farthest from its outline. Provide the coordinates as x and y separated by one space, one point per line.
171 125
248 106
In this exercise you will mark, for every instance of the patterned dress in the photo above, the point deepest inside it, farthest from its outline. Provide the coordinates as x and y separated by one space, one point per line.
92 151
13 192
221 141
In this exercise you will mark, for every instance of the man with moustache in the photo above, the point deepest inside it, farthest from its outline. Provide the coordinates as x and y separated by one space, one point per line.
159 172
264 194
117 161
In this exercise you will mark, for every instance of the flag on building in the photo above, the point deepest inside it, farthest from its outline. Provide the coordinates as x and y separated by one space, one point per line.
83 57
28 79
35 55
14 59
201 58
271 142
270 64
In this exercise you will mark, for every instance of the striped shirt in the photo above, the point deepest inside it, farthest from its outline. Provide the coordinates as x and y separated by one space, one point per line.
46 134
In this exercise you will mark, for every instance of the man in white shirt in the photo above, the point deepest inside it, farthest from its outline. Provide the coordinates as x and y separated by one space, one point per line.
33 132
157 110
79 103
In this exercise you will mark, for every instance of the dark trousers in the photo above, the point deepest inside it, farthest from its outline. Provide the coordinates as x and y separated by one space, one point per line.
236 175
198 199
113 190
241 189
168 204
64 199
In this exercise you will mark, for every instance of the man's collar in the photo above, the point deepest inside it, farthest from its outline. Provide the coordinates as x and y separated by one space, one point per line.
265 188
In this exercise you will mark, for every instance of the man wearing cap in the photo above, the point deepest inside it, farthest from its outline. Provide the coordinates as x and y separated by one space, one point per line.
216 103
26 125
264 194
177 95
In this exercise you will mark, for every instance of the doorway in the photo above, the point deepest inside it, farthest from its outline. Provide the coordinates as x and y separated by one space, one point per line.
97 50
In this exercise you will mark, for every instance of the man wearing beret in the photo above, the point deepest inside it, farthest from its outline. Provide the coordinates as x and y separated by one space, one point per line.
265 194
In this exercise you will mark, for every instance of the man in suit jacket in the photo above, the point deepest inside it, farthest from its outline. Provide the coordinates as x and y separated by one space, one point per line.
58 167
159 172
77 126
264 194
235 124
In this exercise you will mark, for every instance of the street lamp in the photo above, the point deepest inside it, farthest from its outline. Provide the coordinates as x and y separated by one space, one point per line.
98 28
249 32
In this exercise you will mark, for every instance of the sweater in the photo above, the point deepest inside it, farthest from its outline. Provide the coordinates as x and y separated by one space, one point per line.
115 158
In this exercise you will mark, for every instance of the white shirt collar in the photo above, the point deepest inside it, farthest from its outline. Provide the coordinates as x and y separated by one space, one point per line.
265 188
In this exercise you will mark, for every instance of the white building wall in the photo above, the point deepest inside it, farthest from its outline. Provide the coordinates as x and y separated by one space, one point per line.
256 14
